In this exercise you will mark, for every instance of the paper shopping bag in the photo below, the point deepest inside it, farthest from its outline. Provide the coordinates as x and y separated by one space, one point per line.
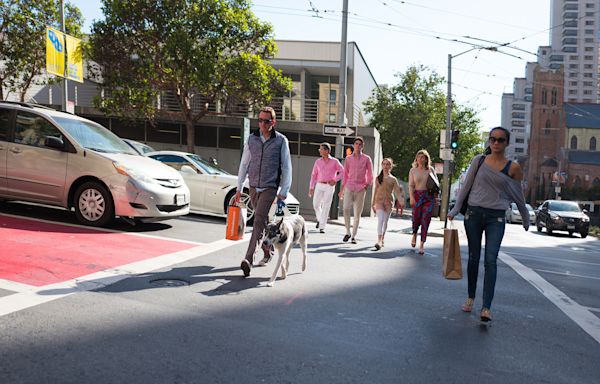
236 223
452 266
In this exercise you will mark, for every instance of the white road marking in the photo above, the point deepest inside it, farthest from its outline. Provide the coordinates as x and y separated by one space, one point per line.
549 258
581 315
29 296
567 274
14 286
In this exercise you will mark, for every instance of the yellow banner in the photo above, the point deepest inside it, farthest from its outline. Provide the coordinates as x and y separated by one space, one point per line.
74 59
55 52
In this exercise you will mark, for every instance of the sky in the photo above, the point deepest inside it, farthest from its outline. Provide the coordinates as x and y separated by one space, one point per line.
393 35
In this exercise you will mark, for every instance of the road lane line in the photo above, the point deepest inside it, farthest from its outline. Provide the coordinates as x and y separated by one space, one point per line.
581 315
548 258
39 295
15 286
567 274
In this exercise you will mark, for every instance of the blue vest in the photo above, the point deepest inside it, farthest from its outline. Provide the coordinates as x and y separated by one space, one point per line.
264 170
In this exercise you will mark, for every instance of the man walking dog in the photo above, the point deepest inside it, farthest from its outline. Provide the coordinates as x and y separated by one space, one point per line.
267 162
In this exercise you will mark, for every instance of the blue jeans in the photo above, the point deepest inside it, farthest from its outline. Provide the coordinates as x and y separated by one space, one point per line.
478 220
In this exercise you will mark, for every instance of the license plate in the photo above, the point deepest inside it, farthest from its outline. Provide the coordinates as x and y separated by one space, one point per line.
179 199
570 227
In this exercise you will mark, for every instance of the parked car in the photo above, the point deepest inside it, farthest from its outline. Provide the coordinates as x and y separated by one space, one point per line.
140 148
514 216
212 188
60 159
562 215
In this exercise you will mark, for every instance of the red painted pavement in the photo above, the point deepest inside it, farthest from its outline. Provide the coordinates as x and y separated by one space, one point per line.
39 254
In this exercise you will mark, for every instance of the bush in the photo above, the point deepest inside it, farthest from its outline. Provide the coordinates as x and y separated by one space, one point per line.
595 231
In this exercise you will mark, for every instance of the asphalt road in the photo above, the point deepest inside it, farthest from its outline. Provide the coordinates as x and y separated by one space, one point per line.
355 316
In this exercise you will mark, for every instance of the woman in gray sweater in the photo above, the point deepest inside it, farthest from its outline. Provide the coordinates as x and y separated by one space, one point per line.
492 183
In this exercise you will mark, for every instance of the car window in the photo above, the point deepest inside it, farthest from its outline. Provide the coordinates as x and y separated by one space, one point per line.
564 206
529 207
513 206
208 167
4 123
173 161
32 129
93 136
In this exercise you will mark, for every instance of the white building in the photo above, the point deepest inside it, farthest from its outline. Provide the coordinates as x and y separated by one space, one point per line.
516 113
574 44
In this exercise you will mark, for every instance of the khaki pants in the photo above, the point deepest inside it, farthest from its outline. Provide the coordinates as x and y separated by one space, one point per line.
355 201
262 202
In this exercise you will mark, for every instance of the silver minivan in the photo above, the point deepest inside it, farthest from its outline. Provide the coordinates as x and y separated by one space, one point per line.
60 159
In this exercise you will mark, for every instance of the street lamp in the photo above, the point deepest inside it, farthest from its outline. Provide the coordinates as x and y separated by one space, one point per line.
446 177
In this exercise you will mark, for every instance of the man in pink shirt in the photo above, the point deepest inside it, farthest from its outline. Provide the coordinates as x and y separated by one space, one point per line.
326 172
358 175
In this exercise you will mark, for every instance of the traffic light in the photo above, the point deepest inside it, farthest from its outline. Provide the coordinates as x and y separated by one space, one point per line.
454 140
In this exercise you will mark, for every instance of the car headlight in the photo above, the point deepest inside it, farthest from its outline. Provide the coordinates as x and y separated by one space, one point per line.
585 219
132 173
555 217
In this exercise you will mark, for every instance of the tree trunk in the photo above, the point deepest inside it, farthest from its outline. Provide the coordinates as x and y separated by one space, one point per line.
190 134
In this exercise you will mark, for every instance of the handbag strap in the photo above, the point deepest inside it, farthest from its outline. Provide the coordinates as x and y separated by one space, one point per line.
476 170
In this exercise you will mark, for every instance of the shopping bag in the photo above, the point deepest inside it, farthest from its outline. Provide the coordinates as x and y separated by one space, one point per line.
236 222
452 266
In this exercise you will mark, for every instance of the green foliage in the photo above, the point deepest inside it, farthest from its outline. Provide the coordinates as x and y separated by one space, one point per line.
23 44
582 194
410 116
215 50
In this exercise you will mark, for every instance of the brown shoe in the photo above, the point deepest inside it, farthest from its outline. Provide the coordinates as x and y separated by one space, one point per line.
468 305
485 315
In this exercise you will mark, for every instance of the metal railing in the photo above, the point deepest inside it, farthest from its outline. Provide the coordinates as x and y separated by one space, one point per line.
287 108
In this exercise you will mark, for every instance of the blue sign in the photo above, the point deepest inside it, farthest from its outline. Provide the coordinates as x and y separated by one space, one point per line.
55 40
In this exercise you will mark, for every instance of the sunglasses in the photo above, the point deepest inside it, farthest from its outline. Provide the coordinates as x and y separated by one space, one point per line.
500 140
266 121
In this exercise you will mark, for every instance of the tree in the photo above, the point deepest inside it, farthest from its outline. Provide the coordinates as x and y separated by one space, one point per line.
23 43
213 50
411 114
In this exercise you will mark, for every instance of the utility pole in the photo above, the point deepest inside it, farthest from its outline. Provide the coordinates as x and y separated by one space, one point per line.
341 119
65 99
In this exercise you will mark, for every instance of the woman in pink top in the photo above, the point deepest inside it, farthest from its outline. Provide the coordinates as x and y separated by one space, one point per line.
421 200
386 186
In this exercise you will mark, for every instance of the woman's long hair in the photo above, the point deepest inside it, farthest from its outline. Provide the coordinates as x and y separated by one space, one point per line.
415 163
488 149
380 176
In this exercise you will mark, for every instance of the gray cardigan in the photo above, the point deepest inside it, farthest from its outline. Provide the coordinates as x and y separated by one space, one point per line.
491 189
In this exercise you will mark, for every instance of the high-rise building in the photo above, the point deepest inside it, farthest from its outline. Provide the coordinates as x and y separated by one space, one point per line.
574 44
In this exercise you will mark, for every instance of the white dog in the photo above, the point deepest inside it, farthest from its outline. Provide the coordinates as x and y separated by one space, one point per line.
283 235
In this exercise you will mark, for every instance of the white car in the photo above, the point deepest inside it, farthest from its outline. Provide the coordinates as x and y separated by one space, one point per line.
212 188
60 159
514 216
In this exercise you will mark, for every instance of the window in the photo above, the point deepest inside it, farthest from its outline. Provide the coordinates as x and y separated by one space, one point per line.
572 92
518 107
587 75
519 141
574 142
593 144
589 31
547 129
518 115
573 83
573 66
544 96
519 150
589 22
589 40
589 5
554 95
31 129
574 57
572 74
587 92
589 13
589 49
332 97
588 84
587 66
331 117
4 123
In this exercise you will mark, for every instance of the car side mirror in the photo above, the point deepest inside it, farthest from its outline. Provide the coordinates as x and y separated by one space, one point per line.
187 169
586 211
54 142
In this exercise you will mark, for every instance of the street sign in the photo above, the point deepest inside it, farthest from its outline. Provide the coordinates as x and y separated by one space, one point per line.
446 154
338 130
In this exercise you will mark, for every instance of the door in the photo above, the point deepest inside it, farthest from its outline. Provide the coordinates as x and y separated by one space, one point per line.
35 172
5 115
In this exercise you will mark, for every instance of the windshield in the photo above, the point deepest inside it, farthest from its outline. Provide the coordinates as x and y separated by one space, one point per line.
207 166
93 136
564 206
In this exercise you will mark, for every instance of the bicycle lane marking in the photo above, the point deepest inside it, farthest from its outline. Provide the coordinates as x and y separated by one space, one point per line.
33 296
40 253
581 315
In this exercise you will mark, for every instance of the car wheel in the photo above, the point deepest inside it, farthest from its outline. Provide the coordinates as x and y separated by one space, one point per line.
584 234
93 204
508 219
245 198
570 233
